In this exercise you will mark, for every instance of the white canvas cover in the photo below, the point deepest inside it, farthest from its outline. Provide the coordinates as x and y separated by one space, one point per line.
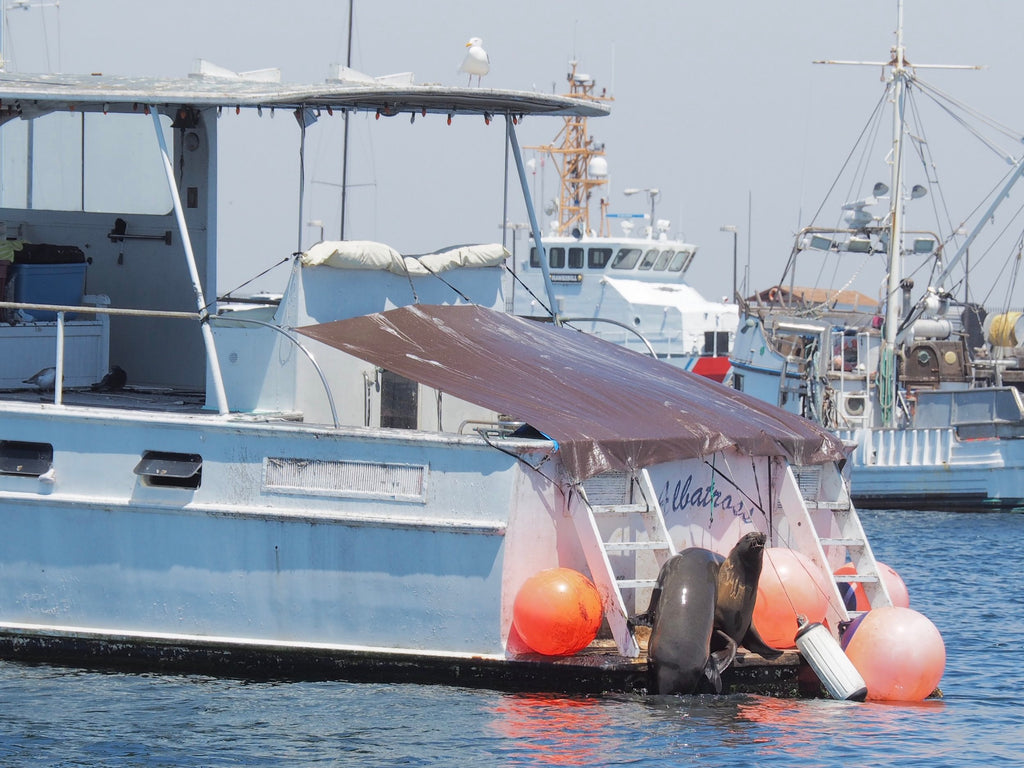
367 254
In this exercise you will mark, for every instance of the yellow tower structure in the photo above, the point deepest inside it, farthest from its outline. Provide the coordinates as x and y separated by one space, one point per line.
574 159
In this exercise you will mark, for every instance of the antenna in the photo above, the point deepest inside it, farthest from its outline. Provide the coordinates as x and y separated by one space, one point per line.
26 5
344 140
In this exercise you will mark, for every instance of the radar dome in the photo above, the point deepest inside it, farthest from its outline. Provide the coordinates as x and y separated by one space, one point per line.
598 167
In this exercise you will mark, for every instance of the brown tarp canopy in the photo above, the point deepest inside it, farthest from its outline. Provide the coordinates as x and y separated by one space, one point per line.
608 408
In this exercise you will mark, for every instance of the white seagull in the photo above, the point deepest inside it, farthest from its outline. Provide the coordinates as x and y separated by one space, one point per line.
477 62
44 379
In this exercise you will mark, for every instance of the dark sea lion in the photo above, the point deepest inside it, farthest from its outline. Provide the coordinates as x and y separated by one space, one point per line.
738 575
682 620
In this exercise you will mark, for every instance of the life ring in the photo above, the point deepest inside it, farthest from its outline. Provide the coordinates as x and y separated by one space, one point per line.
773 294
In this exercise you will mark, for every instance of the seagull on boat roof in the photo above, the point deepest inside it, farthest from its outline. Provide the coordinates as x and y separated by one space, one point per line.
477 62
42 380
114 381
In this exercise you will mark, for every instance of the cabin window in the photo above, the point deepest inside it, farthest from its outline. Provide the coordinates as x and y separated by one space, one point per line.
626 258
28 459
649 258
83 162
681 261
716 343
663 259
556 258
170 470
575 258
737 381
399 401
598 258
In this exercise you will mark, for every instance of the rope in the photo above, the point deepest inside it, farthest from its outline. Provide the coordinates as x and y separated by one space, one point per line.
525 288
886 375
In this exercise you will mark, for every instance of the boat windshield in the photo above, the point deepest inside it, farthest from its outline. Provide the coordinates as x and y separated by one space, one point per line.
626 258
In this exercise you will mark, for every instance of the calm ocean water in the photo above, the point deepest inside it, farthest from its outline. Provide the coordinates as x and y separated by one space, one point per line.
963 572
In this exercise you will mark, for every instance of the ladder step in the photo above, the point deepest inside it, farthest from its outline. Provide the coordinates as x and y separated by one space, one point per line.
636 583
634 546
835 506
853 578
619 509
842 542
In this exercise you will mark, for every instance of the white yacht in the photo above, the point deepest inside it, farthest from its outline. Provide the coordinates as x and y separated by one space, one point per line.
629 288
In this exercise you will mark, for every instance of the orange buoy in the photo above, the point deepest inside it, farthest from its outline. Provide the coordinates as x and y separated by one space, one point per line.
858 601
790 585
557 612
898 652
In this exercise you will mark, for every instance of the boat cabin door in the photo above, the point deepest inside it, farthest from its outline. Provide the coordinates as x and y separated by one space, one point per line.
390 400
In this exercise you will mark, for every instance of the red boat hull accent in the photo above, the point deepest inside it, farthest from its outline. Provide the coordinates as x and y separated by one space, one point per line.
715 368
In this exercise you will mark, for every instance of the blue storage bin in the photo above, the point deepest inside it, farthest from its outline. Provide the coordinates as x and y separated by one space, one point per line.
47 284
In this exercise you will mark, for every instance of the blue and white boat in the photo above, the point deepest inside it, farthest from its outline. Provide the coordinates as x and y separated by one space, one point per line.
355 480
925 385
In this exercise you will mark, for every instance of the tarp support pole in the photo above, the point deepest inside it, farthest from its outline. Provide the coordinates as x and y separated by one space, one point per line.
541 252
193 270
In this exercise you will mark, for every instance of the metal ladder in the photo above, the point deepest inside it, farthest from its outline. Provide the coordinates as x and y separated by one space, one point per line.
851 536
838 526
787 387
619 496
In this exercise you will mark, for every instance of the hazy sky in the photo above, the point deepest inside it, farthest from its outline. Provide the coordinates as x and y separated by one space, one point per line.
717 104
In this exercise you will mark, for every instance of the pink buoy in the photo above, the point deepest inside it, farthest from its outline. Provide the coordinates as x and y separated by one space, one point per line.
790 585
557 612
899 653
893 583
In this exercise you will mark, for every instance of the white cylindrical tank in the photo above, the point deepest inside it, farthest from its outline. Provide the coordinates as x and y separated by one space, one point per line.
832 666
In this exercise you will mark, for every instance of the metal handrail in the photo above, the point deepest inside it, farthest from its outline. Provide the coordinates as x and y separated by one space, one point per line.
634 331
91 309
309 355
60 309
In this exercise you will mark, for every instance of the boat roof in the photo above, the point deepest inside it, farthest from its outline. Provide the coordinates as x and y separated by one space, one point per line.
831 296
607 407
47 92
679 295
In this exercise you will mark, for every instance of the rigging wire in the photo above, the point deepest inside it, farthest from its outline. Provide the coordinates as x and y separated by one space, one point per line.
942 99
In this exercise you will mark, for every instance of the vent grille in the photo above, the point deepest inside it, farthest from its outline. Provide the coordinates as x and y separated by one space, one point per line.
608 488
808 479
352 479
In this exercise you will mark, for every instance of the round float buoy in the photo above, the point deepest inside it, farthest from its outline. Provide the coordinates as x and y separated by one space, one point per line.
557 612
898 652
857 600
790 585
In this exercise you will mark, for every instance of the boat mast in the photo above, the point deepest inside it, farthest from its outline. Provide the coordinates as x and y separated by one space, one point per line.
573 161
887 368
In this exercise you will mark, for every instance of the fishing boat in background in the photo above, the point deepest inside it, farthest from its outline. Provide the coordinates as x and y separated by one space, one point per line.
631 288
356 481
925 384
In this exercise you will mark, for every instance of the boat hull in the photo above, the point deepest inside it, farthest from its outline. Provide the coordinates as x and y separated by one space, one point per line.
934 469
376 539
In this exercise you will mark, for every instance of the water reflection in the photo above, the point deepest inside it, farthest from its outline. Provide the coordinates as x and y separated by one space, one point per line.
556 730
799 728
